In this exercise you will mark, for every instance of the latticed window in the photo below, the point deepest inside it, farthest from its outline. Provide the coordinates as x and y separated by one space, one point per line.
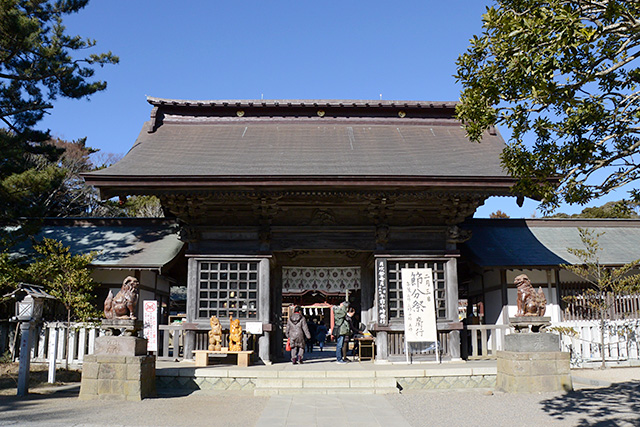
394 281
228 289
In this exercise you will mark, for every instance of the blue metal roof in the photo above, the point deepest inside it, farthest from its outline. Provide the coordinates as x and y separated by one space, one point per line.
544 242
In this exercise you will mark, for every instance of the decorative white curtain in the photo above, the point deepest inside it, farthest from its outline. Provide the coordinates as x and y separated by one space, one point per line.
325 279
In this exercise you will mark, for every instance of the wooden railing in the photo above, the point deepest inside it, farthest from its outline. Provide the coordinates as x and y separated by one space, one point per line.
581 306
396 347
172 341
484 341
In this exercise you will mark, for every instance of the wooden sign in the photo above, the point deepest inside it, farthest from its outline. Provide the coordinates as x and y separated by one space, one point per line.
418 304
381 291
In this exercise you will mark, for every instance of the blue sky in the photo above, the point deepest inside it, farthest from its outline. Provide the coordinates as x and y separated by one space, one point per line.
199 49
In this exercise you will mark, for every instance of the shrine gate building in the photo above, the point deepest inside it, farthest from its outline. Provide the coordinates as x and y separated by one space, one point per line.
311 202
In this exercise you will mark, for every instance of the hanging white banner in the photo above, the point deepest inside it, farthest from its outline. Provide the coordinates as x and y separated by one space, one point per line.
418 304
150 314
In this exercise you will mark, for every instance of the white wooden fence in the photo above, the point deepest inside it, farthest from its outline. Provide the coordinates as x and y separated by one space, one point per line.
621 341
82 337
81 341
621 344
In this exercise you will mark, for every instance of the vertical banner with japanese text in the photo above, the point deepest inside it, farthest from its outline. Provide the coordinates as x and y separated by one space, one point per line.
381 291
418 304
150 320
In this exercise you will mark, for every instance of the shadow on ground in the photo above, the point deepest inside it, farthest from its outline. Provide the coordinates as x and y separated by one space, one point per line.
616 405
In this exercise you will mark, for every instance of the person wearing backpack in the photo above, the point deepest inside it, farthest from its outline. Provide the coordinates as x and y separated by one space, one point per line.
341 328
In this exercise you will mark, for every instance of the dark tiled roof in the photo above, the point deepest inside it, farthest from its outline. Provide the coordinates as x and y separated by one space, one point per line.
544 242
305 139
121 243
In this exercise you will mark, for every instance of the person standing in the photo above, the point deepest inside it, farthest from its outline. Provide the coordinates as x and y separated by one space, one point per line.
297 331
321 334
341 328
312 330
349 319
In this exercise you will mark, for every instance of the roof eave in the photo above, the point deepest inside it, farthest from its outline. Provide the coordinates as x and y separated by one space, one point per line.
111 186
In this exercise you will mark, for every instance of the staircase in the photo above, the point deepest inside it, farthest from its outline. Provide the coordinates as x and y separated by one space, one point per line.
326 382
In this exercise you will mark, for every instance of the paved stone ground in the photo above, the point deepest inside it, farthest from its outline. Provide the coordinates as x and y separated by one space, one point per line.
63 408
601 405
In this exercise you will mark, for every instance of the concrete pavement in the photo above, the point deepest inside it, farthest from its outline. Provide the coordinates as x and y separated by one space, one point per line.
617 404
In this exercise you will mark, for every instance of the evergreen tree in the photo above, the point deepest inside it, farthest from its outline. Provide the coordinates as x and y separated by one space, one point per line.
563 76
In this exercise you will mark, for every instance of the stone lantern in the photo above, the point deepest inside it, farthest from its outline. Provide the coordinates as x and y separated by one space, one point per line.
29 304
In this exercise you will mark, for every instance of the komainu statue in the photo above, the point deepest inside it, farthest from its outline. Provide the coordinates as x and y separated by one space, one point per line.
235 335
123 306
530 302
215 334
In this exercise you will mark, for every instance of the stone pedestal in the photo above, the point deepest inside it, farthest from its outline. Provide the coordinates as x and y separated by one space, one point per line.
108 377
532 362
120 368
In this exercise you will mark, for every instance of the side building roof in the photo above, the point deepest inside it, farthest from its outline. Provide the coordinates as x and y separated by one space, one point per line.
200 144
522 243
121 243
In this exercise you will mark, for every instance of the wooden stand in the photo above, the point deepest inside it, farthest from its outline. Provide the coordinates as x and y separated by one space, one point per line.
367 343
202 357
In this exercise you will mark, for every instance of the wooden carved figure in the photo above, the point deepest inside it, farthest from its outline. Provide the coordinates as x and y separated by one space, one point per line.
530 302
123 306
215 334
235 335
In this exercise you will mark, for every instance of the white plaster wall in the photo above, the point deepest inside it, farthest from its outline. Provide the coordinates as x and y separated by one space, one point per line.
567 276
113 278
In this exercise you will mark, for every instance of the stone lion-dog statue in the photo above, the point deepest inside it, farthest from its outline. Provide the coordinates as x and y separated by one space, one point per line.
215 334
235 335
123 305
530 302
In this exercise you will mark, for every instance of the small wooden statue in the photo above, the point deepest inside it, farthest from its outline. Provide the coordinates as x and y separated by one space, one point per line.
235 335
215 334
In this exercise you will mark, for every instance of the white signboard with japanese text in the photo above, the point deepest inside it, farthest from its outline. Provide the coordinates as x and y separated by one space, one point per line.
418 304
254 328
150 319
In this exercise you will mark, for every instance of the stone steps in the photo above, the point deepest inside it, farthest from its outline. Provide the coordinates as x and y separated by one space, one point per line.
303 384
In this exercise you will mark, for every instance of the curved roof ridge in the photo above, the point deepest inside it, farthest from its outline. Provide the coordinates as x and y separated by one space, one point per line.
301 103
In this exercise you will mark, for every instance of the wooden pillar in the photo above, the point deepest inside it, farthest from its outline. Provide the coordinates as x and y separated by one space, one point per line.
505 296
192 307
453 337
277 350
367 295
381 309
264 310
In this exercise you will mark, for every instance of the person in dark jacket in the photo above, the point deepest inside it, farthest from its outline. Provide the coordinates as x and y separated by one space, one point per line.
297 331
321 334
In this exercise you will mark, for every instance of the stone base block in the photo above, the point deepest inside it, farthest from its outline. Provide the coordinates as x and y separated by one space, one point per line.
532 372
532 342
117 345
118 377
